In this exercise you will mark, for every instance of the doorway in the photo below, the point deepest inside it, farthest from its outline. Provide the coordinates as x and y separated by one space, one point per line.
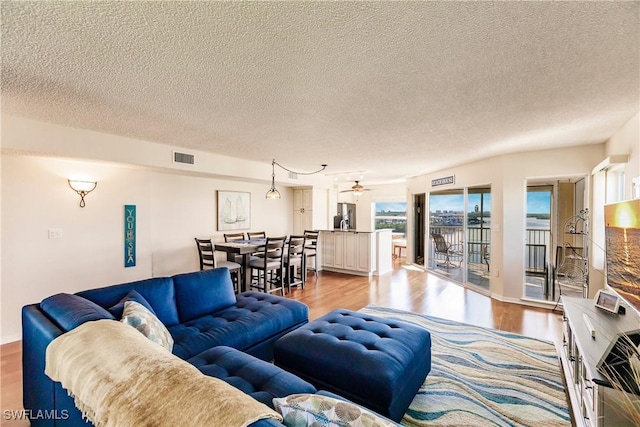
550 204
446 231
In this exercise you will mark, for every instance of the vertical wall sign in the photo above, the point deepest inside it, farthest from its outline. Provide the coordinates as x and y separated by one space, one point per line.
129 235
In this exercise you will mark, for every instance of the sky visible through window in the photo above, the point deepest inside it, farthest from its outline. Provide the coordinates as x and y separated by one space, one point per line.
391 207
455 202
539 202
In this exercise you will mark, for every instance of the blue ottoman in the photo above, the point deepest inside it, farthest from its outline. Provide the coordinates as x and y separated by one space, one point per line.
376 362
257 378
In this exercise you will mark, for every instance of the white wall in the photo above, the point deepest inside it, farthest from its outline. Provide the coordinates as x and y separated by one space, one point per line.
627 141
171 210
508 176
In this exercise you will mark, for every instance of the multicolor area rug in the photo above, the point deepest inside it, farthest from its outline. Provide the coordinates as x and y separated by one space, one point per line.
485 377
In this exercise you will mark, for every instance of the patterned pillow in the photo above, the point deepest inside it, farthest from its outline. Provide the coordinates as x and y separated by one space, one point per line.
138 316
317 410
118 308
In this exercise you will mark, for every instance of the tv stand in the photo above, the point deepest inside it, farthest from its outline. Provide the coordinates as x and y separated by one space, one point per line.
586 344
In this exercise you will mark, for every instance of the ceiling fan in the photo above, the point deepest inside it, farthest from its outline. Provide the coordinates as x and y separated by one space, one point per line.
357 189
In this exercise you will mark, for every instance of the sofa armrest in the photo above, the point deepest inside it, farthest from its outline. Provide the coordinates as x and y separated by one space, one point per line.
37 332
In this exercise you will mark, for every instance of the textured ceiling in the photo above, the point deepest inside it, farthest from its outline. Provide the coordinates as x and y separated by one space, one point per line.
391 88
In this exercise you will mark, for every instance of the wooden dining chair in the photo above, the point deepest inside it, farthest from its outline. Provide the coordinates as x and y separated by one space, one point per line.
256 235
267 271
311 249
230 237
294 262
208 260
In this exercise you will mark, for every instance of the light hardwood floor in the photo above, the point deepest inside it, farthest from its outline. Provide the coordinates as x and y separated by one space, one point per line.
406 288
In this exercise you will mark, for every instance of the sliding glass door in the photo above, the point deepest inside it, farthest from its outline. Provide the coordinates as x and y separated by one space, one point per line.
550 204
460 235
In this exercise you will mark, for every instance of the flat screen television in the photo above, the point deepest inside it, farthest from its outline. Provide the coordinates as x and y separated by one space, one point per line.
622 234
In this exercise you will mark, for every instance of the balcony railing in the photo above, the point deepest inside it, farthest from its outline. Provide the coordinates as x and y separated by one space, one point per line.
537 248
477 240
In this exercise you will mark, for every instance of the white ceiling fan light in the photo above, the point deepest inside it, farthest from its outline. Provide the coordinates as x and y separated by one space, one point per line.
356 189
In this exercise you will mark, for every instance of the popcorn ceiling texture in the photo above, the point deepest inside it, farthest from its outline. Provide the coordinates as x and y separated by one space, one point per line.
393 88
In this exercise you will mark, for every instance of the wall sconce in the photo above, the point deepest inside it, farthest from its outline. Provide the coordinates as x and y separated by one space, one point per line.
273 193
82 188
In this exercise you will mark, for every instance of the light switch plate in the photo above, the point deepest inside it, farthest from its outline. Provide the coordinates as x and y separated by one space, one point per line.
55 233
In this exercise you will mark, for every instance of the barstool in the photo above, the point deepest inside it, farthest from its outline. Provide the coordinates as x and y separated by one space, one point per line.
311 249
294 260
269 266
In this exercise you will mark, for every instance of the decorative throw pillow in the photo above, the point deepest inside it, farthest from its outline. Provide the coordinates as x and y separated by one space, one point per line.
117 309
138 316
317 410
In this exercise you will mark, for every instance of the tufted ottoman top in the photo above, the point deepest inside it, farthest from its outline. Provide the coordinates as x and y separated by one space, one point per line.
377 362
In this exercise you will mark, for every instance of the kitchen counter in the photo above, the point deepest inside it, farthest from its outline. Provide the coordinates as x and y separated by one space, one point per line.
358 252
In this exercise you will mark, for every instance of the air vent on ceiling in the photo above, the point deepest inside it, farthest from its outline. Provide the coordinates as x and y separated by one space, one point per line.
293 175
185 158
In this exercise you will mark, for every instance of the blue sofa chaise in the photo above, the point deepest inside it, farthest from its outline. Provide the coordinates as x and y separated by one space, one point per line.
220 333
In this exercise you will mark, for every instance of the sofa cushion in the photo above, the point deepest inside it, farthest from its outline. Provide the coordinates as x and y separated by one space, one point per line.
117 309
203 292
159 292
255 317
70 311
145 322
259 379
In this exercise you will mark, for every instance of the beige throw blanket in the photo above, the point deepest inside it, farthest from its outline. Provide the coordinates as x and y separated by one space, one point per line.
119 378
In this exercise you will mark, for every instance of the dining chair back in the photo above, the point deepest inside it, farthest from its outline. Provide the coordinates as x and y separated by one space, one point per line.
267 269
294 262
230 237
257 235
205 253
208 260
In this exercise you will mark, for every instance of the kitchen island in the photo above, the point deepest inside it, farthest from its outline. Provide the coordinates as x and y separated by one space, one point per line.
362 253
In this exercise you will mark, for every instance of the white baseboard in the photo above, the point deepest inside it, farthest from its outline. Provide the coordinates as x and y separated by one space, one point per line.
10 338
549 305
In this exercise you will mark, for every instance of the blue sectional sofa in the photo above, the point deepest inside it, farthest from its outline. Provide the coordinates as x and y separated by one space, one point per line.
222 334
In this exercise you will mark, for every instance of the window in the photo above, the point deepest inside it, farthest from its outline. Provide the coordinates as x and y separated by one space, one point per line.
391 215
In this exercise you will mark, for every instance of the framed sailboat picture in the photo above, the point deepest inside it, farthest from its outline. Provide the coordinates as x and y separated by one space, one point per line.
234 210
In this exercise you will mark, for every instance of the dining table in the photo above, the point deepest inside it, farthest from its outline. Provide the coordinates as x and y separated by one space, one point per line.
245 248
